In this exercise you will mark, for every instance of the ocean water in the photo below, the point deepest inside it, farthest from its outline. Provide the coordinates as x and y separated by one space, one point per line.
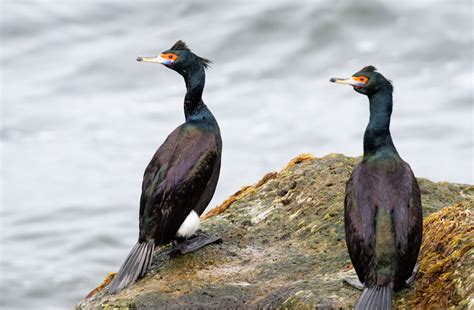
80 118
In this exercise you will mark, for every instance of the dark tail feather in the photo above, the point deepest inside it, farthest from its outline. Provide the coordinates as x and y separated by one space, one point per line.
375 298
135 266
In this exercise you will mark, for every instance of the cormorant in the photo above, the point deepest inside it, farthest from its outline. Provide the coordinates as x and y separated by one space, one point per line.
181 178
382 207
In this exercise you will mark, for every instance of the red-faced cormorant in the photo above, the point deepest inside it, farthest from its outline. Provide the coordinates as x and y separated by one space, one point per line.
383 218
181 178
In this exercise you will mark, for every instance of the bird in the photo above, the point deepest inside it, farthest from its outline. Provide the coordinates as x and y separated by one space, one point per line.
382 206
181 178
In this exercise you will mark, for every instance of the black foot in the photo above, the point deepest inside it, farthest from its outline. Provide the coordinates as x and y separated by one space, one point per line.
411 279
354 282
175 250
193 244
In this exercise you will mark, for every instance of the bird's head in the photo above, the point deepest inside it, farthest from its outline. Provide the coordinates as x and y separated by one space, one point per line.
179 58
367 81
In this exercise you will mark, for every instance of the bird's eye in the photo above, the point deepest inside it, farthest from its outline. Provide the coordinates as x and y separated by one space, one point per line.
169 56
362 79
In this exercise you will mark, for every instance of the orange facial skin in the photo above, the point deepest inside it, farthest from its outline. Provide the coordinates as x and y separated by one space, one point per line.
170 56
361 78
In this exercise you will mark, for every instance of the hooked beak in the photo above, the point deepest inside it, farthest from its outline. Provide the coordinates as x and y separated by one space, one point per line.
157 59
350 81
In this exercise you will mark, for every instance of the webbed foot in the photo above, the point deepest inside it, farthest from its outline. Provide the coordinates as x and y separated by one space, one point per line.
354 282
192 245
411 279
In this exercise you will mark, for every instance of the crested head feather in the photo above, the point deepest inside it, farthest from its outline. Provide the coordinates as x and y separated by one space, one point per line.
181 45
391 83
369 69
205 62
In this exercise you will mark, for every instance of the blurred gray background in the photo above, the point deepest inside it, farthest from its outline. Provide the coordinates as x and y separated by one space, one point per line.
80 118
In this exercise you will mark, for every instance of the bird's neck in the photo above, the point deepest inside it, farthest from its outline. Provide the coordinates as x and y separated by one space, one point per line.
195 79
377 138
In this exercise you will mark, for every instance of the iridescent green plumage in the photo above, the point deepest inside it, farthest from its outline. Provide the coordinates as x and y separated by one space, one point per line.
383 218
181 177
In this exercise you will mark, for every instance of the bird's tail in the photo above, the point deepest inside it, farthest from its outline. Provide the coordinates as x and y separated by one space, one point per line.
135 266
375 298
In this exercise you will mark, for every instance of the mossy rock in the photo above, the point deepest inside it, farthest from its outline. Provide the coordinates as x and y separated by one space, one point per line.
284 248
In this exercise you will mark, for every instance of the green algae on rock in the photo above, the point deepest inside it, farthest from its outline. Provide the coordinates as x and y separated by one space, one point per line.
283 247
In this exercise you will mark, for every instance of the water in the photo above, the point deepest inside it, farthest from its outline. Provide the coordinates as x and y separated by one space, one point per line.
81 118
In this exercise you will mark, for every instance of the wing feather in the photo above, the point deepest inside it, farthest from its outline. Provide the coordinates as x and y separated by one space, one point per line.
393 187
175 181
358 217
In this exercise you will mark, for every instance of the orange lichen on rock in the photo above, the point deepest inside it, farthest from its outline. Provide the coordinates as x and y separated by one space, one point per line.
244 191
448 243
251 188
228 202
298 159
267 177
110 276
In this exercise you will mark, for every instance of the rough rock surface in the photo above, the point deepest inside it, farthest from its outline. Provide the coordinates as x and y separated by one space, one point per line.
284 248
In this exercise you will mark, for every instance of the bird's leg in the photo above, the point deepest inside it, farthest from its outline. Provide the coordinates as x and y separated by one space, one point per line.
176 249
354 282
197 242
411 279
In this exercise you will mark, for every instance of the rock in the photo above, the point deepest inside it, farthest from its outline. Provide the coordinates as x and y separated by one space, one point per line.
284 247
445 277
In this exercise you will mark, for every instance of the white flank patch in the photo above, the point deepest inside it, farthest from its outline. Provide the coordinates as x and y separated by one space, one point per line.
189 226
